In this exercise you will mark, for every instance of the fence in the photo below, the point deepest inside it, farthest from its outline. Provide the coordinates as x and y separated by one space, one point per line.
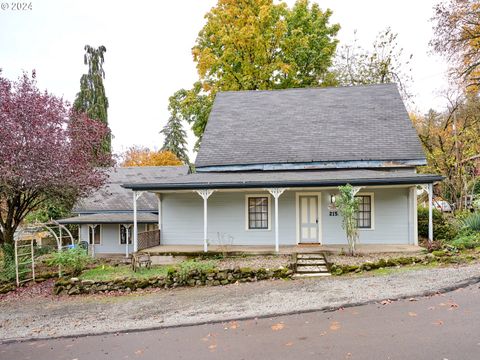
148 239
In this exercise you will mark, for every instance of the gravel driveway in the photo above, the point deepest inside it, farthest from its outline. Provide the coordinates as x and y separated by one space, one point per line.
48 316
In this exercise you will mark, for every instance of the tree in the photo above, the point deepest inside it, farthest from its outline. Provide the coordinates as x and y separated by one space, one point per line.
457 37
143 156
347 205
175 135
384 63
256 45
44 154
92 99
450 139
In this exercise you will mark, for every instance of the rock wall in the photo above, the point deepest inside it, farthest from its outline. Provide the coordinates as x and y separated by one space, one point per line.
75 286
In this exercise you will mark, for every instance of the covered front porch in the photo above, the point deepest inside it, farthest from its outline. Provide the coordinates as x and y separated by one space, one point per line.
280 212
283 250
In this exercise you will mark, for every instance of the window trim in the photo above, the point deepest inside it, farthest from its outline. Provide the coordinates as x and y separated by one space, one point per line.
120 234
372 210
269 211
100 234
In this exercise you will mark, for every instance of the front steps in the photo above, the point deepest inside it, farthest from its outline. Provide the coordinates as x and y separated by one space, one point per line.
311 266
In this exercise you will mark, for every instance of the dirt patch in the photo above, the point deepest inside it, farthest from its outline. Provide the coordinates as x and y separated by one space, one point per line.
255 262
363 258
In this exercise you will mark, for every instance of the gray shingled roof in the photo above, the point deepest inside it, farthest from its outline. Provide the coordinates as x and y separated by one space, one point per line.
305 178
309 125
113 197
111 218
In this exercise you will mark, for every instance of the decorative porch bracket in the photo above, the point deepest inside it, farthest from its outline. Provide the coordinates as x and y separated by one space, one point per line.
136 196
205 194
356 189
428 188
276 192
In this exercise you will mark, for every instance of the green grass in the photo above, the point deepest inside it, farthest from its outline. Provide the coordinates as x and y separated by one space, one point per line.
395 270
107 272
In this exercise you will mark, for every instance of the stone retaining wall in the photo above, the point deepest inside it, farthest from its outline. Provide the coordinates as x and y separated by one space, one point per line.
75 286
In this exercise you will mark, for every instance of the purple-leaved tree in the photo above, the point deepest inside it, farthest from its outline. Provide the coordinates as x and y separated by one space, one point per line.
46 152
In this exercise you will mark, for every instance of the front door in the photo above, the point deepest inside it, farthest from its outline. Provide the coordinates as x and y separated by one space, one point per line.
309 228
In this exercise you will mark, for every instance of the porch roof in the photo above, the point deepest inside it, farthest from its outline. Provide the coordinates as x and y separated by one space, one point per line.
291 179
112 218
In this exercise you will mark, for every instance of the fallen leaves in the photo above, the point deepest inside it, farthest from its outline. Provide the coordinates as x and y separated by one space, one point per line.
278 327
438 323
334 326
386 302
412 314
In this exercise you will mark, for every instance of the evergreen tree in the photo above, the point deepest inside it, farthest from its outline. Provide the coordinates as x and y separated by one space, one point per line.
92 99
175 137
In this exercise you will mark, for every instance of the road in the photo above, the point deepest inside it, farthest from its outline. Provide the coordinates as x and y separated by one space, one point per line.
445 326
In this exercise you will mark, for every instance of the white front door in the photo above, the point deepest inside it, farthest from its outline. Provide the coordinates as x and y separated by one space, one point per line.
309 224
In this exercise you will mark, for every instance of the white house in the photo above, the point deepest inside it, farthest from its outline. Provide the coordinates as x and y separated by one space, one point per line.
269 167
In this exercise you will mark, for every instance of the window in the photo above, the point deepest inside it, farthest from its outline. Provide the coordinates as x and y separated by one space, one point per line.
94 233
364 215
258 212
125 233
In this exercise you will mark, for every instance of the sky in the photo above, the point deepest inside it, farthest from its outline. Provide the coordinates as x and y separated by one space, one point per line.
149 46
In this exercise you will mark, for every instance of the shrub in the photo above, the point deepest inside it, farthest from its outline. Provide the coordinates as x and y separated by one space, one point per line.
466 241
7 272
472 222
443 229
73 260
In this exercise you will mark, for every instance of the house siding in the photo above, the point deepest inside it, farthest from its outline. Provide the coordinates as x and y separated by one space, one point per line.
110 238
182 219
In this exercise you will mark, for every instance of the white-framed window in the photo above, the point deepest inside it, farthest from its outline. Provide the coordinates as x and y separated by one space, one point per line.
125 234
257 212
365 214
95 234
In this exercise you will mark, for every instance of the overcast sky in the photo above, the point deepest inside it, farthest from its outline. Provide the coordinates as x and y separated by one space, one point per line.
148 51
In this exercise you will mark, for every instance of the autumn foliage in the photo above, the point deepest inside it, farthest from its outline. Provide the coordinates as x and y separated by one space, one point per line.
143 156
46 152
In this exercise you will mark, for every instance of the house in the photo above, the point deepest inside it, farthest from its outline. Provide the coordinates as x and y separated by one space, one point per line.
270 163
268 171
105 218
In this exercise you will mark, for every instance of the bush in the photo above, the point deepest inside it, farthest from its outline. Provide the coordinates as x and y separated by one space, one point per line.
7 272
466 241
73 260
443 229
472 222
185 267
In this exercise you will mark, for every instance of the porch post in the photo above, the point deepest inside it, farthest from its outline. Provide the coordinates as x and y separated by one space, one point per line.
205 194
430 212
136 195
159 199
276 192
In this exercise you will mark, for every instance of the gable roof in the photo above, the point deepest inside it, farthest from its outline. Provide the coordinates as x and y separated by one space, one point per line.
113 197
338 124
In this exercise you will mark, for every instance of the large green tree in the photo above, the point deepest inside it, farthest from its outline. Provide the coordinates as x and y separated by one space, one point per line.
92 99
257 45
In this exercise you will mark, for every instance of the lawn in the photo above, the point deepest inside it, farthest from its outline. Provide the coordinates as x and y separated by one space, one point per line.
108 272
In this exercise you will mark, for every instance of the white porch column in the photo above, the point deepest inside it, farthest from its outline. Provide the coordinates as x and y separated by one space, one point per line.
159 199
430 212
136 195
205 194
276 192
412 216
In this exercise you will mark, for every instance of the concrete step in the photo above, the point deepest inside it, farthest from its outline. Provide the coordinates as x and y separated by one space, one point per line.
311 262
311 275
310 256
311 268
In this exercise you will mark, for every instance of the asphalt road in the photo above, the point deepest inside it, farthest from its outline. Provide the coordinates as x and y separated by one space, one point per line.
445 326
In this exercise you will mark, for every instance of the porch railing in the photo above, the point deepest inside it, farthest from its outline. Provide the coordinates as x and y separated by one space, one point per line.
148 239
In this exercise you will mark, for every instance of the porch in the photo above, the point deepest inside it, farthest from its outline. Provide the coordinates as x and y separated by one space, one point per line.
284 250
